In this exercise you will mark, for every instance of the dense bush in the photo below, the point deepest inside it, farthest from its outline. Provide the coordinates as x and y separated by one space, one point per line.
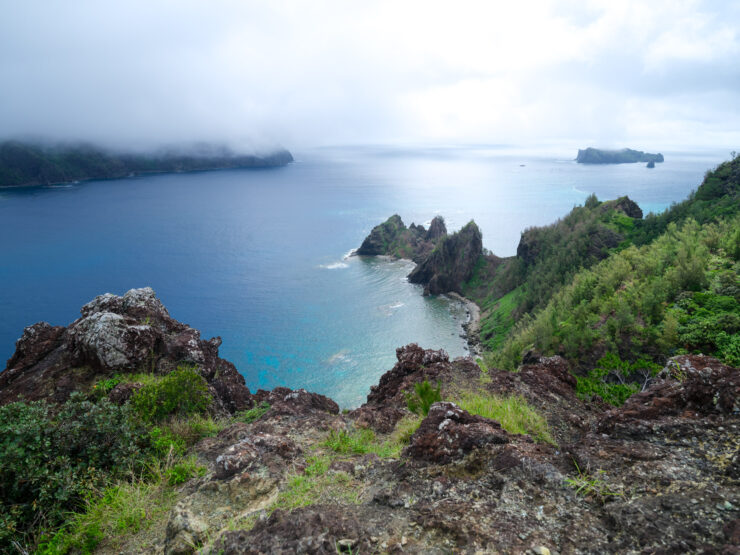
615 380
648 302
51 462
180 392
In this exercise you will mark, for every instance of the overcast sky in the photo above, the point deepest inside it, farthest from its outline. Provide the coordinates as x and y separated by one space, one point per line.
650 75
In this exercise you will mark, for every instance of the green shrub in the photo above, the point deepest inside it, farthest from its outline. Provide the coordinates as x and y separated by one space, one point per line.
361 441
182 471
180 392
164 442
423 397
51 463
616 380
316 484
111 518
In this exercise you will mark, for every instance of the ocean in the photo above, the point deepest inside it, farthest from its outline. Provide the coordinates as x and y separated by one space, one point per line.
260 257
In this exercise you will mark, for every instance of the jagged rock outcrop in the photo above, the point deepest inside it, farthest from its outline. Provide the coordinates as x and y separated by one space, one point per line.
623 204
393 238
659 482
451 263
386 402
116 335
624 156
448 433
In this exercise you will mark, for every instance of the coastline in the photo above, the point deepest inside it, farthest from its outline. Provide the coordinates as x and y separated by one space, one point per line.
471 328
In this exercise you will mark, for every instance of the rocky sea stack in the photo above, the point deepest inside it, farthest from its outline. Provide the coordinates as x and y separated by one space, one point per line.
444 261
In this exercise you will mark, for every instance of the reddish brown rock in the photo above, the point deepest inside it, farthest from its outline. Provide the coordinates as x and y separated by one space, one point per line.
449 433
123 392
319 530
116 335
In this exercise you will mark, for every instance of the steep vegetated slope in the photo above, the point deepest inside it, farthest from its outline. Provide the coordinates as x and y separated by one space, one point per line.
677 264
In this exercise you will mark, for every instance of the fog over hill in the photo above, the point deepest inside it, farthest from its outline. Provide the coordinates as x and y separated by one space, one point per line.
256 75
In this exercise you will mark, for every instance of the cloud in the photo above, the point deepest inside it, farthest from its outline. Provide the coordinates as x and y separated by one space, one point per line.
307 73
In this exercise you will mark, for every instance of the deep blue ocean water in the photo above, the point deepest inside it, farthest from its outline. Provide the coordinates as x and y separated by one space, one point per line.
258 256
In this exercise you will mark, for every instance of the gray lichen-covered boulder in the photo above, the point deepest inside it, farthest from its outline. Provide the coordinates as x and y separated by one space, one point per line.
116 335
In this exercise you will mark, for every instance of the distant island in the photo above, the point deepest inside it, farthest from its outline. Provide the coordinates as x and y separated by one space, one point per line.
624 156
27 164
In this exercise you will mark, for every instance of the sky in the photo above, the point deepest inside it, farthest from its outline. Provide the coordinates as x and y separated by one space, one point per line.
650 75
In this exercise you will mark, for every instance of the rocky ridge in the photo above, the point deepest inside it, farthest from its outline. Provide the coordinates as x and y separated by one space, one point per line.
660 474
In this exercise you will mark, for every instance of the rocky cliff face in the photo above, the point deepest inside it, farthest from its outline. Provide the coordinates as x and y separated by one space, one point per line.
393 238
660 474
451 263
116 334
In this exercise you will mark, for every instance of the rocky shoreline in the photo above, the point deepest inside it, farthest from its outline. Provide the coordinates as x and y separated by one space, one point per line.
471 328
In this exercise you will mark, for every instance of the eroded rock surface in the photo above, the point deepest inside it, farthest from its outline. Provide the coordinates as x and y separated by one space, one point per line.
116 335
660 474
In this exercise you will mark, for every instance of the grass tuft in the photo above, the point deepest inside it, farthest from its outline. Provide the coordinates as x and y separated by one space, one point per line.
513 412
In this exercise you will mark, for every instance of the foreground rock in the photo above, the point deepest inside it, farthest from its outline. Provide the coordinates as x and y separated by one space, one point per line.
116 335
648 477
659 475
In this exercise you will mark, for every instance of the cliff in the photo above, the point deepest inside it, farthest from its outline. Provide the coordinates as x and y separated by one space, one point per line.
24 164
500 462
624 156
451 262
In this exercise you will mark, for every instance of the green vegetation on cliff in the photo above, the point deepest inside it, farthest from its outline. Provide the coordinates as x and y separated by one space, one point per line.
33 164
671 285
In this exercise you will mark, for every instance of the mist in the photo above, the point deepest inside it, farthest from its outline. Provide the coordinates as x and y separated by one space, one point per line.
139 74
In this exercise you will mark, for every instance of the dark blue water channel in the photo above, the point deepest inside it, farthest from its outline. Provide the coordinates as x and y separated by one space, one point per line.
258 256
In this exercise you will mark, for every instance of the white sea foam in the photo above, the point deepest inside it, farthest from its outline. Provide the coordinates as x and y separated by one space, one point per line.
334 266
351 252
341 356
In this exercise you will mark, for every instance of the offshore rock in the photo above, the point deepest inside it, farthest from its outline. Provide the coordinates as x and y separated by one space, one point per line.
451 263
116 335
623 156
393 238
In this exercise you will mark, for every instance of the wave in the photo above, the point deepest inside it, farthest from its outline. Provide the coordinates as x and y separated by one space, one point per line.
334 266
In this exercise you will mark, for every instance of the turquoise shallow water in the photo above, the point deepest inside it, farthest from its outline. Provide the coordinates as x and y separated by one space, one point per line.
258 256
